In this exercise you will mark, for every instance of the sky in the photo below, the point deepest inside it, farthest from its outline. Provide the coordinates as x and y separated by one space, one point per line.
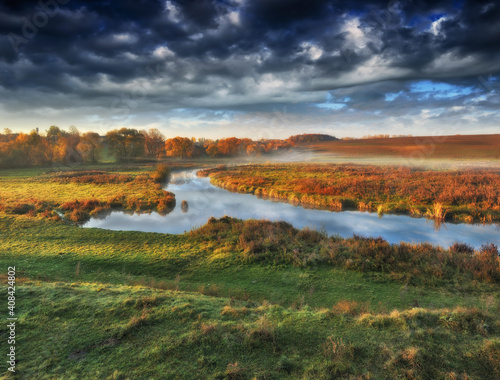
258 69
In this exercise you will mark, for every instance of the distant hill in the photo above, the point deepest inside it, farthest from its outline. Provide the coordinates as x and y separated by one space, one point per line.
311 137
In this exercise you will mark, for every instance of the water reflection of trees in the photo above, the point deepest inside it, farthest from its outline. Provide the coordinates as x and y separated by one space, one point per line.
184 206
103 214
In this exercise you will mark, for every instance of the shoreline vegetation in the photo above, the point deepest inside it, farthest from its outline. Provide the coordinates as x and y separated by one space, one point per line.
280 243
457 196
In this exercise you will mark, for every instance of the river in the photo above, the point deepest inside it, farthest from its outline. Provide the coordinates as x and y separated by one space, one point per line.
205 200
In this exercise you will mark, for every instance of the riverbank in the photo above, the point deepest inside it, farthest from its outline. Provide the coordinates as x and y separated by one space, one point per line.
205 201
459 196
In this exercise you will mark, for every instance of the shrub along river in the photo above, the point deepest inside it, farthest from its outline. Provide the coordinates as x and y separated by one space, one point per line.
204 201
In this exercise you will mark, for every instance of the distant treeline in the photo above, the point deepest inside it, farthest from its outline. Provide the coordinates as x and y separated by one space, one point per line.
311 137
57 146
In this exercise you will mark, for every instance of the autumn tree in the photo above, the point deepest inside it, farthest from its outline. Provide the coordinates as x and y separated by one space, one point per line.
90 147
54 133
229 146
310 137
178 147
16 153
212 150
243 144
66 151
35 149
125 143
196 151
8 136
154 142
254 149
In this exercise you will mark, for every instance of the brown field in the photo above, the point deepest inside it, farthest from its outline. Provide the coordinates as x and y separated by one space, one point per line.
419 147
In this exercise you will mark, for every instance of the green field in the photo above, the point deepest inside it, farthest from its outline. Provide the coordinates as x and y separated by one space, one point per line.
239 300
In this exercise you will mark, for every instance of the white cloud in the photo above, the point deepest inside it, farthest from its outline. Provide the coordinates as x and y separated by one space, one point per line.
357 35
435 27
234 17
174 13
125 38
354 34
313 51
431 113
163 52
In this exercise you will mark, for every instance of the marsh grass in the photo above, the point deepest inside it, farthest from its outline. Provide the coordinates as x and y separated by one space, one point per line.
82 194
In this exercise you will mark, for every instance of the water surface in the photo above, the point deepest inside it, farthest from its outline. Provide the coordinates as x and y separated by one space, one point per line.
205 201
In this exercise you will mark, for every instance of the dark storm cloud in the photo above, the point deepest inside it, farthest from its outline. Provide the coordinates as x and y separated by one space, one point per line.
90 28
241 54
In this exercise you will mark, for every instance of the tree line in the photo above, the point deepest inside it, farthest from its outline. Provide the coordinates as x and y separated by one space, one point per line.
57 146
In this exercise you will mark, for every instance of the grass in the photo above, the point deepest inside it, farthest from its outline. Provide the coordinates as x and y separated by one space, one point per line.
190 335
240 300
462 196
94 296
49 250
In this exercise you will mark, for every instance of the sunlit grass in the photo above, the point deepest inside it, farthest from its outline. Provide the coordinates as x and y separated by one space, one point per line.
84 193
140 332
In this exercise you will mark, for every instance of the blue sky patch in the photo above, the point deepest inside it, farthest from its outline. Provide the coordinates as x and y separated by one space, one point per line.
438 90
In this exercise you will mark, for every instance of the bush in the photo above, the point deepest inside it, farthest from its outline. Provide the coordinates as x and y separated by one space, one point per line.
486 265
348 307
91 176
161 175
234 371
461 248
490 356
285 364
184 206
22 209
261 238
489 250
